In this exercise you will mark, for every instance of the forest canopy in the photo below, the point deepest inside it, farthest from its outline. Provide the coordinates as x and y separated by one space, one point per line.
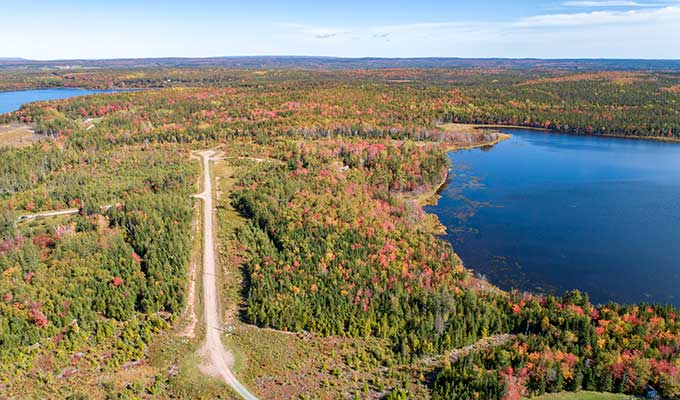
330 169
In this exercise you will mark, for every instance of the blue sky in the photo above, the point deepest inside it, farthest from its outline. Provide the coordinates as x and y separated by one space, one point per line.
42 29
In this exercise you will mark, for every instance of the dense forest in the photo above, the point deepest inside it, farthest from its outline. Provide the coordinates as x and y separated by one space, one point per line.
385 102
336 240
335 252
567 344
91 288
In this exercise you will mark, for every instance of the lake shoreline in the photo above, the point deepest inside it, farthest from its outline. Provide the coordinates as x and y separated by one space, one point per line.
97 89
11 101
431 197
596 135
604 172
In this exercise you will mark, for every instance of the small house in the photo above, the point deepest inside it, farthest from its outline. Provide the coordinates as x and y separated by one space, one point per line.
650 392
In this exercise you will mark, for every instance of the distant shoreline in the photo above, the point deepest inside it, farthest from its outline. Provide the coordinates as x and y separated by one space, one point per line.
109 90
602 135
338 63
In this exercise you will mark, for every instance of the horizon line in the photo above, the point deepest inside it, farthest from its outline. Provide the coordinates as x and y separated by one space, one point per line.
6 59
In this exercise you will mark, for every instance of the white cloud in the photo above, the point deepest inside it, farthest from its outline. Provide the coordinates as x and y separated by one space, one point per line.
317 32
607 3
413 30
627 19
643 32
579 30
657 15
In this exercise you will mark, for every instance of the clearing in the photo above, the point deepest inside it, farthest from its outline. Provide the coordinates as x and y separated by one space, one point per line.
17 135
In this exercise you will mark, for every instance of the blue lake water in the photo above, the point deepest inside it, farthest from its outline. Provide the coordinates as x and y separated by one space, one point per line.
12 101
548 213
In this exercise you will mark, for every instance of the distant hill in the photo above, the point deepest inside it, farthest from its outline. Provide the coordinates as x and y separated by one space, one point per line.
308 62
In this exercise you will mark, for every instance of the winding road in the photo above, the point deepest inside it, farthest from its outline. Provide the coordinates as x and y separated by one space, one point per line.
218 360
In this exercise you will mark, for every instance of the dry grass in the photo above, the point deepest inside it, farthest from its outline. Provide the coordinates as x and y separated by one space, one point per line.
474 135
281 365
17 135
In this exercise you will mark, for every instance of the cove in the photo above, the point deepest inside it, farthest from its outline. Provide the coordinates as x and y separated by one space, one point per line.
549 212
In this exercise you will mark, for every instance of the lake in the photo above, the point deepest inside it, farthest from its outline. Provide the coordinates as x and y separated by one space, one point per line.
549 212
12 101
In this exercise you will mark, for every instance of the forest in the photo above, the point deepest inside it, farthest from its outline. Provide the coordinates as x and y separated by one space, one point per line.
91 288
567 344
324 264
336 240
633 103
382 273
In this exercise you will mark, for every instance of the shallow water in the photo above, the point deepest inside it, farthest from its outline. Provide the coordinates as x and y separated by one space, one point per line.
549 213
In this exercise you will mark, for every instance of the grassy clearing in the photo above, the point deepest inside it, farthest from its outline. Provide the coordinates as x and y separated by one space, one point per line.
282 365
34 227
178 358
230 250
17 135
479 131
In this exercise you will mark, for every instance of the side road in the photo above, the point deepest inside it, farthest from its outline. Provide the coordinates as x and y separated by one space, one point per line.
218 360
70 211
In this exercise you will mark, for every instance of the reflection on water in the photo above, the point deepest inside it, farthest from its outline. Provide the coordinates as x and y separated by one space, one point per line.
549 213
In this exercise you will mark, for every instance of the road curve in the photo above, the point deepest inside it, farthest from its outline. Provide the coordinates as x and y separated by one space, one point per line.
217 358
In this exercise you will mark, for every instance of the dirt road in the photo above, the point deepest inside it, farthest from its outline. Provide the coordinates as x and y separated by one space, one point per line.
218 360
70 211
480 345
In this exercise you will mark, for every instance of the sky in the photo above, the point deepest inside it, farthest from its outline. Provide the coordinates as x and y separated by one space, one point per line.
79 29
